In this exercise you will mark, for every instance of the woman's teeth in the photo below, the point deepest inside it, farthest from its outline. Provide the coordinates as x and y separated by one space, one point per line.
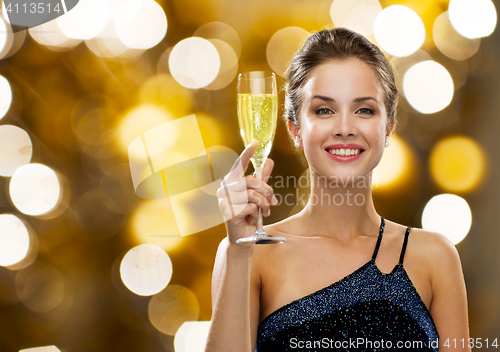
344 152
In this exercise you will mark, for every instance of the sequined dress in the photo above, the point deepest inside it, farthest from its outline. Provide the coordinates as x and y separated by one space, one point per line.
354 313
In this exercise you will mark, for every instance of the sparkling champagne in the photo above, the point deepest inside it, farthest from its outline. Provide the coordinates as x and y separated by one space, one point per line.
257 114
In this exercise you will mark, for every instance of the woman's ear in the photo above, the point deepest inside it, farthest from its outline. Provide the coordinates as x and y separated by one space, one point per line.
293 129
391 131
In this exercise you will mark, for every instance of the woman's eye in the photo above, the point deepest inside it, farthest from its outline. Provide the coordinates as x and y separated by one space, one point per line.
366 111
324 111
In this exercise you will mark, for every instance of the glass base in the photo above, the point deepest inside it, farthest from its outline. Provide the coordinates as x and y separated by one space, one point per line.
261 238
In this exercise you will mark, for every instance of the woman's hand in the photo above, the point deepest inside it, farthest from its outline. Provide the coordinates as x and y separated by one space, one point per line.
240 197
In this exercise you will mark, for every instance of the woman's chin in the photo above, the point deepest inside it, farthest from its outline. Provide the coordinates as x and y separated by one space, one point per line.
346 175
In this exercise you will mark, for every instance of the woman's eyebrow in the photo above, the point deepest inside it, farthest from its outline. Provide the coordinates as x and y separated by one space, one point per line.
357 100
328 99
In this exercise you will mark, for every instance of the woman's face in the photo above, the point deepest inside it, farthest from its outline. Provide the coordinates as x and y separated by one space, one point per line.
343 102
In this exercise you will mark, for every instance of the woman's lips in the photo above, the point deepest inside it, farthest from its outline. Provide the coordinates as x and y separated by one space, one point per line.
344 158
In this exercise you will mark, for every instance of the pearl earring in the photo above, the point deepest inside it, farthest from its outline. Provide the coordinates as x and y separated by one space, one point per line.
297 144
387 142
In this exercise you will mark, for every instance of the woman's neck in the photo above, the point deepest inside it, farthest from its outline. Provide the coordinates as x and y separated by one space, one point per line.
340 207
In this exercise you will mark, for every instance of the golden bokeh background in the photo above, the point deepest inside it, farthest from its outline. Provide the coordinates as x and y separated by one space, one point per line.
88 265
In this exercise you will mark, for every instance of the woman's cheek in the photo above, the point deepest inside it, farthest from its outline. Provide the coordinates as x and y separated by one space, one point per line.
318 129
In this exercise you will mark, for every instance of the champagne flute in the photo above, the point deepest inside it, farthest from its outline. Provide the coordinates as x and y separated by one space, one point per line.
257 117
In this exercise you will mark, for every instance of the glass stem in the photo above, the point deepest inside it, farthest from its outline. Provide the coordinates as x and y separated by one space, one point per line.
260 222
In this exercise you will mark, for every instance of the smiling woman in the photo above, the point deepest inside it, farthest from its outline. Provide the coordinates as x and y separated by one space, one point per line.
321 289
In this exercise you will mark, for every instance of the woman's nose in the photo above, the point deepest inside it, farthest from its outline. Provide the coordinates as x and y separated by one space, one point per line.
344 125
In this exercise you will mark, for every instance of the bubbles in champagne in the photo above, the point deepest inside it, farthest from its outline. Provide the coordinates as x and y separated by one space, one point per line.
257 115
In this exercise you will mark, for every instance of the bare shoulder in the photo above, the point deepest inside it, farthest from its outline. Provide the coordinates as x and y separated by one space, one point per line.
449 294
439 252
436 246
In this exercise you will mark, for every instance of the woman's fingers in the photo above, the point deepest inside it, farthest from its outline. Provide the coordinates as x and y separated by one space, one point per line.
241 164
268 168
241 199
260 186
234 211
249 182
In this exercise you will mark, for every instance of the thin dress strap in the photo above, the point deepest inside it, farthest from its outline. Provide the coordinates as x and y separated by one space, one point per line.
404 245
381 232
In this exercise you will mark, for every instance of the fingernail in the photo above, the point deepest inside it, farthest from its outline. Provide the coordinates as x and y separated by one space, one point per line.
251 143
274 200
268 212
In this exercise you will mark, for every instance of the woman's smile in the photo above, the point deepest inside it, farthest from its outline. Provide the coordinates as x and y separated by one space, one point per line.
344 155
344 152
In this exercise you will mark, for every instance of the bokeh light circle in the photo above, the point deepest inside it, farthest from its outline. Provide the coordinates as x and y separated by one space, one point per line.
358 15
4 12
111 8
14 41
16 149
140 120
94 127
399 30
449 215
450 42
362 19
283 46
402 64
32 253
82 22
40 287
35 189
14 240
457 164
42 349
173 306
143 27
4 34
107 44
194 62
163 89
394 164
428 86
146 269
228 65
221 31
473 18
51 35
154 222
5 96
192 336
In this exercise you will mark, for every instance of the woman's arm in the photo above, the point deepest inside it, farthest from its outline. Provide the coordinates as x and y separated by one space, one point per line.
235 295
235 286
449 297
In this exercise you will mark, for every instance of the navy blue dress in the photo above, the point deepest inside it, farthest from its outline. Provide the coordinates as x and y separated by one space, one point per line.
365 311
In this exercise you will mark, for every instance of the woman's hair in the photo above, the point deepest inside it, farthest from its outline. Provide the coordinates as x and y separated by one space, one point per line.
338 43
